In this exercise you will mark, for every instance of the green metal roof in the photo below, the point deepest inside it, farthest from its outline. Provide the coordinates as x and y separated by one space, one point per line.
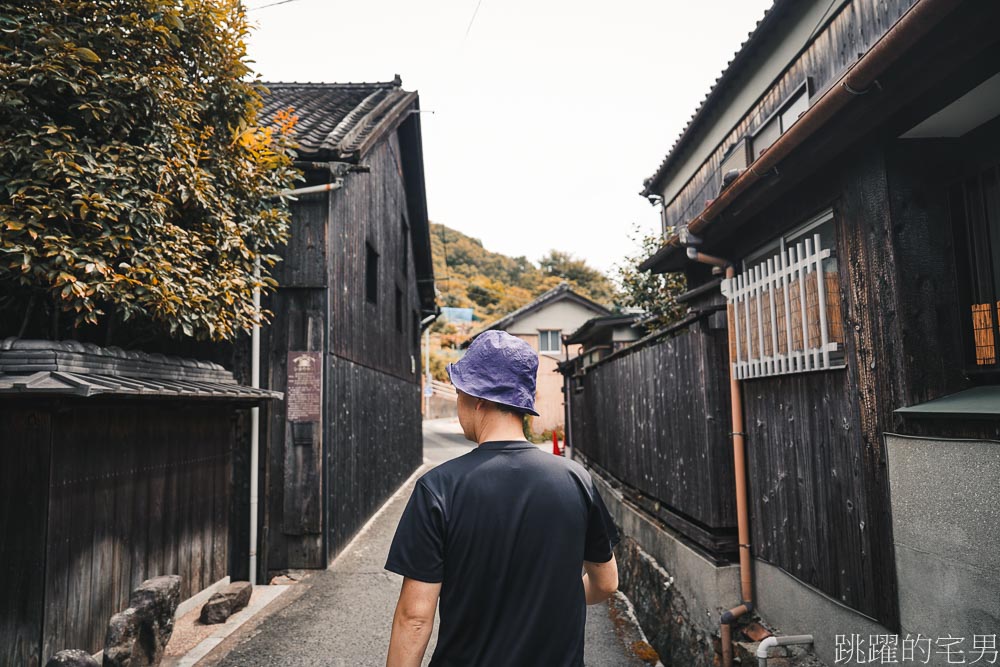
980 402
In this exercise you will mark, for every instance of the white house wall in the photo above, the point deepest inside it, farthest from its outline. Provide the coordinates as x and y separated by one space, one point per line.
567 316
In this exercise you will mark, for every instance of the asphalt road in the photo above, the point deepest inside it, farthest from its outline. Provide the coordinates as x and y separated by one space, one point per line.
341 617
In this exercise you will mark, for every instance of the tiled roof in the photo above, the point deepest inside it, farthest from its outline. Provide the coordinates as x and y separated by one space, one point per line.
339 121
43 367
598 324
734 67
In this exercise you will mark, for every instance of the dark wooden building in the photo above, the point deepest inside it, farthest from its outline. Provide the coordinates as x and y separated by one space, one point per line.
116 467
846 166
356 281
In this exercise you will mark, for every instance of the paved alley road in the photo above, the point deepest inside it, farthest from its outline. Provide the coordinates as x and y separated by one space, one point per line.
341 617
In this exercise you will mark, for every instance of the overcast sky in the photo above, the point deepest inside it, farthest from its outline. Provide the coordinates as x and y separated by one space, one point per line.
548 114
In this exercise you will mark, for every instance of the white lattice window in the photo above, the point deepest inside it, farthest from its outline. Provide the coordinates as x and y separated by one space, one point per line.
786 315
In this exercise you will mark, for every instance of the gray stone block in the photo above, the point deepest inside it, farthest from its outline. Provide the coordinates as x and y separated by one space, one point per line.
226 602
138 636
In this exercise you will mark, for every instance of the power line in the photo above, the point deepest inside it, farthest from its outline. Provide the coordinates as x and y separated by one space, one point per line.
271 4
472 20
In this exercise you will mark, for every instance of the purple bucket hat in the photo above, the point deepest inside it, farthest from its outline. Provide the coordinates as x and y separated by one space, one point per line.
500 368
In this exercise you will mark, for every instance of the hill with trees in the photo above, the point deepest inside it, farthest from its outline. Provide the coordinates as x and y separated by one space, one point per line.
470 276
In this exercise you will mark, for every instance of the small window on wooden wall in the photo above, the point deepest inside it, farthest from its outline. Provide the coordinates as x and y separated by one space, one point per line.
416 331
405 230
399 309
786 305
975 216
778 123
371 273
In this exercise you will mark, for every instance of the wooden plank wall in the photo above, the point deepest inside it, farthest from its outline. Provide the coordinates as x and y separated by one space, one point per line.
24 450
135 494
371 441
818 483
131 493
370 209
375 444
374 425
657 418
292 477
852 32
809 504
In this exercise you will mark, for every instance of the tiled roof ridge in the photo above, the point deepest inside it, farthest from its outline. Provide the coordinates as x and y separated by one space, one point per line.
760 29
344 127
397 82
549 294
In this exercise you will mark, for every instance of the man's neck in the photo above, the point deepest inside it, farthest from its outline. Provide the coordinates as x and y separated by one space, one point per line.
507 428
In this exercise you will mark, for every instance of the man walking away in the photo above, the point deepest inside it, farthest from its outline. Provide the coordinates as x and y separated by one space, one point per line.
500 534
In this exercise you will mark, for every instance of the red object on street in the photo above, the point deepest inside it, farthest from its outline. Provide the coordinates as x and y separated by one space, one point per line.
555 444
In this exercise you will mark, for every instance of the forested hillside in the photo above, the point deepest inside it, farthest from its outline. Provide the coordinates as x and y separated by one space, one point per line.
470 276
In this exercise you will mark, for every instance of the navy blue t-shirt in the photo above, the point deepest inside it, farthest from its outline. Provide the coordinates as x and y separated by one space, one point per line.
505 528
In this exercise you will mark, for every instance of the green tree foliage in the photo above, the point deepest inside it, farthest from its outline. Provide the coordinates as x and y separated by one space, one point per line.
134 179
656 294
469 276
590 281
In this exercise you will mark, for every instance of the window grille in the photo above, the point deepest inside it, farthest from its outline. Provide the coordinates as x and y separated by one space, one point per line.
786 313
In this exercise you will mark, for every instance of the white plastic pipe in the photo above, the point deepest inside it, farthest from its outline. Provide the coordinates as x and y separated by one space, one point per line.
254 424
772 641
325 187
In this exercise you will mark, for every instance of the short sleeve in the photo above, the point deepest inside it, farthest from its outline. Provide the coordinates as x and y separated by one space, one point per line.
602 534
417 549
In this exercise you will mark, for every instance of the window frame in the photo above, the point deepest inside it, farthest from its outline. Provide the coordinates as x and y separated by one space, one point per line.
965 241
803 89
546 335
371 273
755 355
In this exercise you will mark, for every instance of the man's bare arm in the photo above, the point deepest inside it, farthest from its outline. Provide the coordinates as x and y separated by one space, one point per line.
600 580
412 623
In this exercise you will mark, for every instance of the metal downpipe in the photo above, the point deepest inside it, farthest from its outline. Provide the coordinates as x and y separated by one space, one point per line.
739 469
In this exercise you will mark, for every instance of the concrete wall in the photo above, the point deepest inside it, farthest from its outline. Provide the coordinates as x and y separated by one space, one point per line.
945 519
678 594
692 592
791 607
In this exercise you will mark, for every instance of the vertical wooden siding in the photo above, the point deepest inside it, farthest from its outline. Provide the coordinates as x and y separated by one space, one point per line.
370 208
809 502
375 444
657 417
819 496
132 492
135 494
293 475
24 475
372 431
374 424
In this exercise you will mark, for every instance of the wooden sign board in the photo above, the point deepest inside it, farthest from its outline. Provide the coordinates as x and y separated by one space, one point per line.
304 394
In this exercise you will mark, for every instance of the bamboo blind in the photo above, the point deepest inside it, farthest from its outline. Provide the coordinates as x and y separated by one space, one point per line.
785 314
983 333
